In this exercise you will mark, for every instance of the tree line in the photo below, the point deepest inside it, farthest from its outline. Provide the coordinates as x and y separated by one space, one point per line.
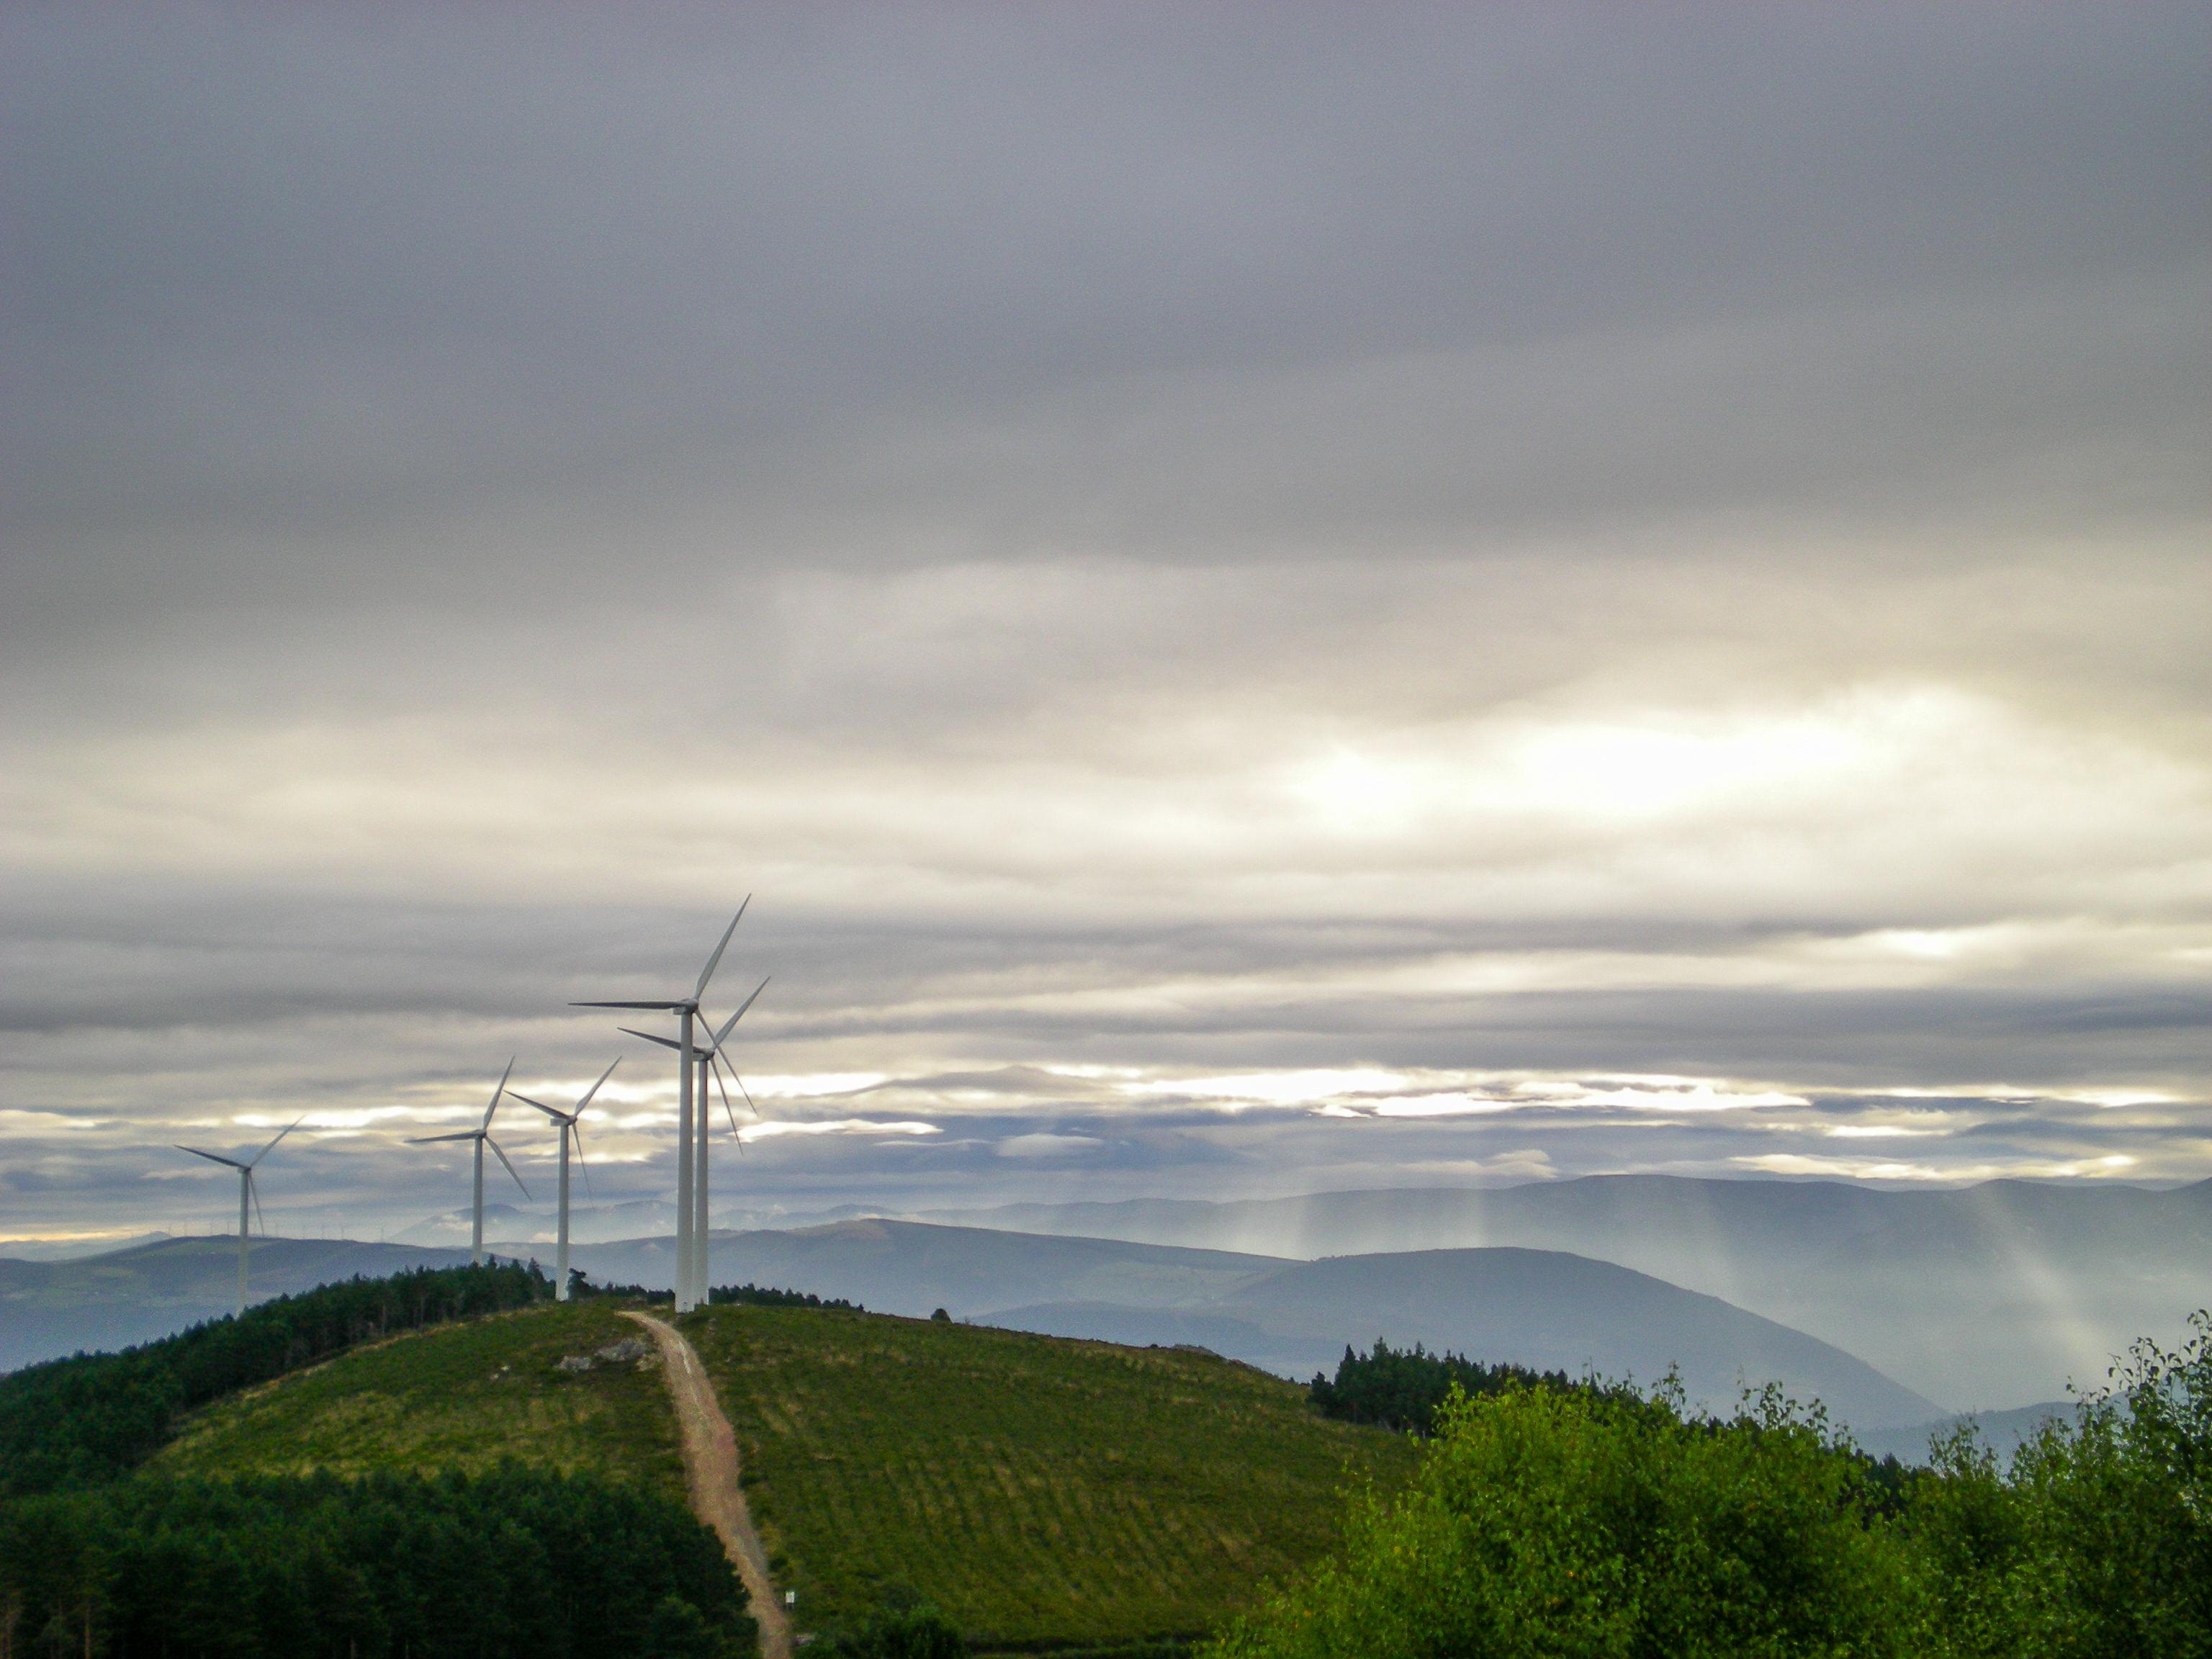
758 1296
515 1565
1405 1388
1564 1522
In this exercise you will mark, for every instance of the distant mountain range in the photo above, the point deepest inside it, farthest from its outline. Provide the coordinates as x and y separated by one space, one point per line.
1882 1302
1540 1308
1996 1295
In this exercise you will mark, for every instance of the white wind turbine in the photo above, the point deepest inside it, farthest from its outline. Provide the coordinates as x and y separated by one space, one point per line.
246 1193
569 1132
482 1135
688 1235
705 1055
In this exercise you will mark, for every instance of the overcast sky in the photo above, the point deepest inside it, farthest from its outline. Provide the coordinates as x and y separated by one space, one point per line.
1266 598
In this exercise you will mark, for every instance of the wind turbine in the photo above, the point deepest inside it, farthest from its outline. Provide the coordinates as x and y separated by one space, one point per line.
482 1135
686 1010
246 1194
569 1132
704 1056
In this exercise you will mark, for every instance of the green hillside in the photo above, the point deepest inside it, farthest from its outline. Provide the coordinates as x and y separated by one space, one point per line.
460 1396
1038 1491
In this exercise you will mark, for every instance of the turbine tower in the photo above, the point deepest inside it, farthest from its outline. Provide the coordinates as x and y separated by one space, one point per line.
569 1132
246 1193
686 1010
704 1056
482 1135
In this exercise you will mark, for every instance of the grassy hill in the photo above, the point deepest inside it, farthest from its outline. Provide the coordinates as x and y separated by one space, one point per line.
1036 1490
458 1396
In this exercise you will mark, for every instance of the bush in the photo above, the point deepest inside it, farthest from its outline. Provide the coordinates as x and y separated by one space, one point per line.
2100 1544
1571 1522
910 1633
1566 1522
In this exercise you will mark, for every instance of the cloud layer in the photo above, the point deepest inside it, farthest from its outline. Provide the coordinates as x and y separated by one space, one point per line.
1267 599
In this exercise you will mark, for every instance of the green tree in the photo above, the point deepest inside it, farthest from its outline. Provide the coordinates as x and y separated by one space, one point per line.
1573 1525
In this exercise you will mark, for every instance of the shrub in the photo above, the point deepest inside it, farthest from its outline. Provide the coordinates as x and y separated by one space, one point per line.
1567 1522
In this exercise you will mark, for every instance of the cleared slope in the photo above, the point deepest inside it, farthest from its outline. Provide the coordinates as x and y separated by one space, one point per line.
458 1397
1037 1491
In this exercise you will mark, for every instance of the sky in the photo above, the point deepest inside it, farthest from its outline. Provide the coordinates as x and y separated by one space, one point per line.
1265 598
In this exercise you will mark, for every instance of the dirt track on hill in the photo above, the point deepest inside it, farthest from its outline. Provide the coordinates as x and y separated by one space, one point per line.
710 1469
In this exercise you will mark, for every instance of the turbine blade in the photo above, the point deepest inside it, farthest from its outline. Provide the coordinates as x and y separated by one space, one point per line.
253 1192
730 1024
594 1088
498 1090
666 1043
672 1008
577 1130
558 1117
728 1110
509 1167
271 1146
715 961
212 1157
418 1141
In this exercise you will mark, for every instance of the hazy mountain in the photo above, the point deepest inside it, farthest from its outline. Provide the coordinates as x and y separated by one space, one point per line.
1538 1308
2002 1432
509 1227
49 1308
910 1267
1541 1308
43 1249
1998 1294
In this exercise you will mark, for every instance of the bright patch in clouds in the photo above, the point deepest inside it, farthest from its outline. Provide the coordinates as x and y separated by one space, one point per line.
842 1126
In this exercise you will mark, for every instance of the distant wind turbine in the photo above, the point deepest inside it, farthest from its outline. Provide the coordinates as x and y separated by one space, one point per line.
482 1135
689 1245
246 1193
569 1132
705 1055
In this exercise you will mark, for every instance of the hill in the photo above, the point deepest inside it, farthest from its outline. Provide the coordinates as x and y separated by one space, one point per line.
462 1396
1039 1491
1998 1294
89 1303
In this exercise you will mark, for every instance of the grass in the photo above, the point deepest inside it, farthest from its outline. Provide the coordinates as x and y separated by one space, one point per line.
457 1396
1039 1492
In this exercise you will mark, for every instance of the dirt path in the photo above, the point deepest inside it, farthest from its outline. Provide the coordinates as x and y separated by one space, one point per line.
710 1468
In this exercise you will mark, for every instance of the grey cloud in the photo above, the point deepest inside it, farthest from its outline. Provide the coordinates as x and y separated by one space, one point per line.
308 274
485 489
